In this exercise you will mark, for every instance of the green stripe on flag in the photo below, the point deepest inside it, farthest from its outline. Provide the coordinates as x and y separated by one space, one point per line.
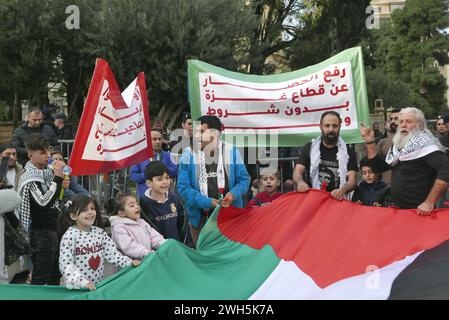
219 269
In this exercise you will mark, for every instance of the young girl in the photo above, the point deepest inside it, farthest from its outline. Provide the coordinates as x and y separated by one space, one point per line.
133 236
84 245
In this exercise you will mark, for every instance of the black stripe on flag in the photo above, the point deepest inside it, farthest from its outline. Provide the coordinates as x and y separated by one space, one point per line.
425 278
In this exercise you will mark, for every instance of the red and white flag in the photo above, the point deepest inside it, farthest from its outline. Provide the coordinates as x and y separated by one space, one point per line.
114 130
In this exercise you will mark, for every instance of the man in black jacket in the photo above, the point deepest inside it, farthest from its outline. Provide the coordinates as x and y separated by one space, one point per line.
32 125
420 169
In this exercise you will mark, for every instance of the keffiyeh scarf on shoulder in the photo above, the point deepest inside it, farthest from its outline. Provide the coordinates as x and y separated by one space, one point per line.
220 171
420 145
31 174
315 160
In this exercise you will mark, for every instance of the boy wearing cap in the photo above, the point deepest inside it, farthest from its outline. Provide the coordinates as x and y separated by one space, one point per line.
63 131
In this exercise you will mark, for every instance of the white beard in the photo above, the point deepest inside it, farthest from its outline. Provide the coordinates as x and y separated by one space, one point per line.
399 141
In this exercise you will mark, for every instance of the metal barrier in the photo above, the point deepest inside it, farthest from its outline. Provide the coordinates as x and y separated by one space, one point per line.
280 168
102 186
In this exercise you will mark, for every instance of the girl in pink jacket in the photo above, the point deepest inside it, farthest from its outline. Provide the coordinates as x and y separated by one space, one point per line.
133 236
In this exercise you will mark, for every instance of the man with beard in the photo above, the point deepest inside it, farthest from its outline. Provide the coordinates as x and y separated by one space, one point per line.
33 124
211 172
420 170
385 144
15 170
327 161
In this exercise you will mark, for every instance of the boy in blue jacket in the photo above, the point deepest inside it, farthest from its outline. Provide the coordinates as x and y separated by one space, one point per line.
215 170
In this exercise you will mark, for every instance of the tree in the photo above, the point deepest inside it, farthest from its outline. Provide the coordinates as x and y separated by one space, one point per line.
159 37
276 30
406 51
25 52
328 27
419 44
394 92
75 50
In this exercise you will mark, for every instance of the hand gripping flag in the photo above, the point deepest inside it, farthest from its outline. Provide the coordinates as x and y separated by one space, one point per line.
114 130
301 246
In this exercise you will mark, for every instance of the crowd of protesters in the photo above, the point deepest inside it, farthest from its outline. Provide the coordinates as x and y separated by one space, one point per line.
58 224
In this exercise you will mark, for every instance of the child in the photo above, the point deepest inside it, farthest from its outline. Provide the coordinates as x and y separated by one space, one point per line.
269 184
132 235
85 245
370 192
39 188
163 209
74 188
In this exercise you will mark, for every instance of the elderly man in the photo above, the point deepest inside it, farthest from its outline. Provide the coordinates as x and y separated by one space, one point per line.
327 161
32 125
420 170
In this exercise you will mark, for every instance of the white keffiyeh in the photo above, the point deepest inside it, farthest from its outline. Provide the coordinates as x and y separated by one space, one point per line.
420 145
315 160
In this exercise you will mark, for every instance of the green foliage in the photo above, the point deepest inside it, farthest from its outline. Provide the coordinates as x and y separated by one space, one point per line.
329 26
406 51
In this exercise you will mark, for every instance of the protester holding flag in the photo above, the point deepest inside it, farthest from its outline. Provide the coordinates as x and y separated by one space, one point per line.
216 170
371 191
85 246
163 209
420 169
133 236
137 173
327 162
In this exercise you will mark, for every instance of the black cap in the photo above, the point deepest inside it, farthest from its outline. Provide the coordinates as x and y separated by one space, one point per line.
185 116
60 115
5 146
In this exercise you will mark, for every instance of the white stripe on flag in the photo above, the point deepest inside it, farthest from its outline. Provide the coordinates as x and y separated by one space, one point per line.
288 282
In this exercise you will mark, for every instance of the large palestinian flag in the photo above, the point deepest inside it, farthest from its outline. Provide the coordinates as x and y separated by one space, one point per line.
301 246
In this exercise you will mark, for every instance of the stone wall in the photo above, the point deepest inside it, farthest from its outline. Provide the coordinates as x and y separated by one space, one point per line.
6 129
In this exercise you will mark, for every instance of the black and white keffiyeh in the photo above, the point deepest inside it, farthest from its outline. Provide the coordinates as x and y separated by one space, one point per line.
27 183
420 145
203 172
315 160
